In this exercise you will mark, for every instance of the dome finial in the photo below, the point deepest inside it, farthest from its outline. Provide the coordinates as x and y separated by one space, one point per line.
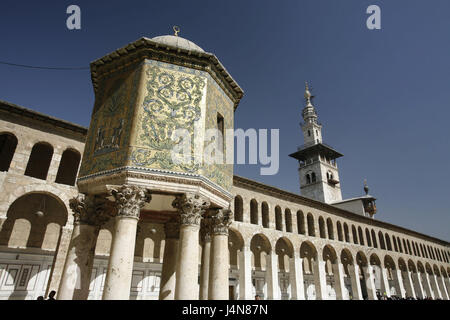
366 188
176 29
308 95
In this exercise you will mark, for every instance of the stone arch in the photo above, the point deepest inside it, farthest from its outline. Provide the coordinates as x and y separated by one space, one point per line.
412 266
311 229
68 167
301 222
428 268
253 211
339 231
414 248
405 247
394 241
389 262
278 219
388 242
61 196
34 220
436 271
238 208
390 266
284 250
346 233
322 232
288 219
8 144
361 236
399 242
409 247
381 239
354 234
374 239
260 247
329 256
402 265
346 258
420 267
235 245
308 253
330 229
265 214
361 259
39 161
149 241
443 272
369 242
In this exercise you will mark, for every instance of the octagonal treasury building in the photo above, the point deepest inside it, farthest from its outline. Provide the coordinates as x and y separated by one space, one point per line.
104 213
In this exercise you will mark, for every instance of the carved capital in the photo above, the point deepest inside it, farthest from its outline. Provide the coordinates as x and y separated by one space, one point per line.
220 221
130 199
172 228
91 210
191 207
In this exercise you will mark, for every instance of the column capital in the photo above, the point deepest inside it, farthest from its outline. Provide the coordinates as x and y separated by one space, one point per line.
91 210
220 221
130 199
190 206
172 228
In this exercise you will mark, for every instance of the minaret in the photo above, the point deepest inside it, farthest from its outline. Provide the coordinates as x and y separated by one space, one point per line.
319 177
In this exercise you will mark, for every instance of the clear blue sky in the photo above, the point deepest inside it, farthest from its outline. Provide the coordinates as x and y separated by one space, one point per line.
383 96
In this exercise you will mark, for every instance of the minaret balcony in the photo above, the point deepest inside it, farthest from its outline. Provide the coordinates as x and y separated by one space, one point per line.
333 181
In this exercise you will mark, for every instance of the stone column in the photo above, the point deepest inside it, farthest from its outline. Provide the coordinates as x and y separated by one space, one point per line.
427 285
296 277
245 274
338 272
191 207
418 288
220 256
205 233
385 283
370 282
89 215
320 279
409 285
398 281
353 270
443 288
272 276
129 201
436 289
168 273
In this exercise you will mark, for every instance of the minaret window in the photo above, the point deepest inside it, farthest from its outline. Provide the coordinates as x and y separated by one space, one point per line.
313 177
308 179
309 133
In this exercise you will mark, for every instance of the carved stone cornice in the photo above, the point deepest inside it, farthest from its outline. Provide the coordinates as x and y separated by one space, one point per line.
221 220
191 207
130 199
91 210
172 228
